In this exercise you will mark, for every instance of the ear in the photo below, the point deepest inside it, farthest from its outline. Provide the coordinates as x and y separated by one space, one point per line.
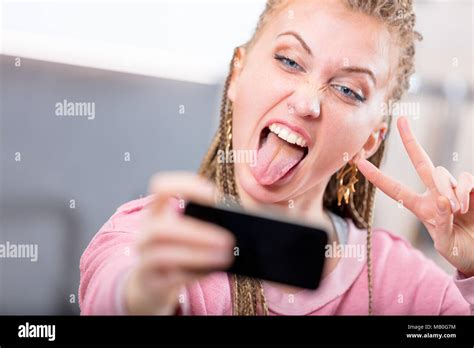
237 66
373 142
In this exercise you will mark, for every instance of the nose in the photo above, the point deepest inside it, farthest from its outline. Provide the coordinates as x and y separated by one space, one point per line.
305 102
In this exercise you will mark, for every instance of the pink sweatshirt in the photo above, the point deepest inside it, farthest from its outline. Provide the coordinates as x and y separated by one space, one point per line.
404 281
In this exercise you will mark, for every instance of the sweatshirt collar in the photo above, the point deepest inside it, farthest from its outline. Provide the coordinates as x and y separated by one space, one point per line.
333 285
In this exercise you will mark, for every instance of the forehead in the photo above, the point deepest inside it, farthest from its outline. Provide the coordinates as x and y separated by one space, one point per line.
336 35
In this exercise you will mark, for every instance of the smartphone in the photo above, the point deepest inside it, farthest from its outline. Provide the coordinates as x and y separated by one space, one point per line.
269 248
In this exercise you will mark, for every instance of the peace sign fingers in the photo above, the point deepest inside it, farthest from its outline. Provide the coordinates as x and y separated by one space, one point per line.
420 159
388 185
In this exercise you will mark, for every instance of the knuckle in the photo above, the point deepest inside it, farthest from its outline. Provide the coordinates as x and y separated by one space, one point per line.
396 190
410 141
377 176
146 259
155 228
156 182
421 164
159 260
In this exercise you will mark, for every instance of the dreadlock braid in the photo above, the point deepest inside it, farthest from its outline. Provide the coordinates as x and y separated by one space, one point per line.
246 291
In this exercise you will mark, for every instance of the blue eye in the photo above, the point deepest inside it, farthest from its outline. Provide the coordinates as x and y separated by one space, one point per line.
290 63
347 92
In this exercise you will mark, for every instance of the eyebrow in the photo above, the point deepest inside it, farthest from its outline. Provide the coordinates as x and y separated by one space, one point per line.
349 69
359 70
300 39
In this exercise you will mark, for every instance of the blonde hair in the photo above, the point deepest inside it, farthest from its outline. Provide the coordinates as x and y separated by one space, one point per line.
398 15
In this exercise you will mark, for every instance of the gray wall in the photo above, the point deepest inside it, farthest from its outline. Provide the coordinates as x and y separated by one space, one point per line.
64 158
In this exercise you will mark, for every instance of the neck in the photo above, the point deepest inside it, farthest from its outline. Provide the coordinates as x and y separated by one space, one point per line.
307 206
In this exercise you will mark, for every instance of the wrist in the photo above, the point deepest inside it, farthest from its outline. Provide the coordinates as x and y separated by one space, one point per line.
138 300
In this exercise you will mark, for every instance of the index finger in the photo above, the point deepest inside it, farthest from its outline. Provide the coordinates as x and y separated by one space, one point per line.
418 156
388 185
188 186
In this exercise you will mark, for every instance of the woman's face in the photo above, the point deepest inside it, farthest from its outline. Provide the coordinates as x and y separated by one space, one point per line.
318 75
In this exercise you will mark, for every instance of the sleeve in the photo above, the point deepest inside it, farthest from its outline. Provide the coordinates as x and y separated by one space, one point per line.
104 267
412 284
461 285
109 259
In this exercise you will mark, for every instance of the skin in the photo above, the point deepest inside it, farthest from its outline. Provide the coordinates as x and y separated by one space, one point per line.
174 249
294 86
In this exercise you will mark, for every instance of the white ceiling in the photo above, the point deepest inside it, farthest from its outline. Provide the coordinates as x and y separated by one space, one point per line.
161 38
189 40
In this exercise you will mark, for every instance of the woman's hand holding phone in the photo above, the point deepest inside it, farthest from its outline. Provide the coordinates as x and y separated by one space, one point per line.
175 249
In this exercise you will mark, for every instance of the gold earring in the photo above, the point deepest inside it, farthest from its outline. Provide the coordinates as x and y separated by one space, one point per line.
345 189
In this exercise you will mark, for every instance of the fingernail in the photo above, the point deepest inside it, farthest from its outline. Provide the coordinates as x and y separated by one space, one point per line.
404 124
462 208
453 205
453 181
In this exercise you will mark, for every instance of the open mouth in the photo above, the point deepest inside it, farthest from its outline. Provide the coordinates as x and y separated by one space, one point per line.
280 152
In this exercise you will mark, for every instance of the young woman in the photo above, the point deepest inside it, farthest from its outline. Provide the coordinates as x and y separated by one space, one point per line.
305 93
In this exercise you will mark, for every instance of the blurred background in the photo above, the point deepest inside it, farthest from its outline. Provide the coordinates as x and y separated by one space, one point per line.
154 71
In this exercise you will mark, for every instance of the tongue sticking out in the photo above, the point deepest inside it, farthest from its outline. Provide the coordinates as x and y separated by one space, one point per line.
275 158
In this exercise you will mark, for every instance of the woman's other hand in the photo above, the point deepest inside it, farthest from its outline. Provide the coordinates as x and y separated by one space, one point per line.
446 208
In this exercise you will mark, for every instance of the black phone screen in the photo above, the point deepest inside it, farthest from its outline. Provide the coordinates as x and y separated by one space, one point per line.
270 249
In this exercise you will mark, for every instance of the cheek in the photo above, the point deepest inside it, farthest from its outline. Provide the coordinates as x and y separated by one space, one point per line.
259 90
343 132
